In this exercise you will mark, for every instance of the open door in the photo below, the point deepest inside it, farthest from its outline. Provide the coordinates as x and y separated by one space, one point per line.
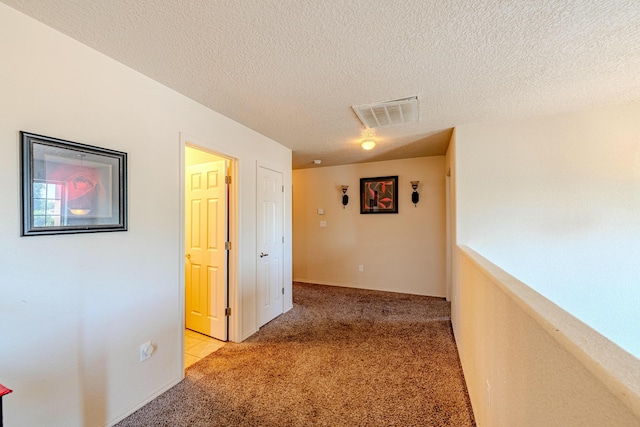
206 228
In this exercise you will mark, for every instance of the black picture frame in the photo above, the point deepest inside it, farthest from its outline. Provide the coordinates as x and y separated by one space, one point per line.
68 187
379 195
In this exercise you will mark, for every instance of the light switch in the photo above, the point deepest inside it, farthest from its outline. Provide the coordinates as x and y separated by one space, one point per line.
323 224
320 211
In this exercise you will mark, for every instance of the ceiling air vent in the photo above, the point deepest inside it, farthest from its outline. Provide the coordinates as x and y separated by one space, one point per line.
386 113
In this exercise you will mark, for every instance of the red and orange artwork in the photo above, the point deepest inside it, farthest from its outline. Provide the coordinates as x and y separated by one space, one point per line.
379 195
68 187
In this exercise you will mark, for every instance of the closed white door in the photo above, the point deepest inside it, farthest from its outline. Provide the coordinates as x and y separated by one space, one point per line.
270 245
206 257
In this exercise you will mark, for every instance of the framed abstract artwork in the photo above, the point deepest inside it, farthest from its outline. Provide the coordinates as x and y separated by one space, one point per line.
68 187
379 195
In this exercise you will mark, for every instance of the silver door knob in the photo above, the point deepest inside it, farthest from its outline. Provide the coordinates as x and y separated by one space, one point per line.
262 255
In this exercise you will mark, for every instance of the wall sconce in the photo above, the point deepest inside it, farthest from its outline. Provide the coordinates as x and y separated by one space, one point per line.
345 198
415 196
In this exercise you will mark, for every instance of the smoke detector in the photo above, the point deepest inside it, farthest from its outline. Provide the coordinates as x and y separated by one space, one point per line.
387 113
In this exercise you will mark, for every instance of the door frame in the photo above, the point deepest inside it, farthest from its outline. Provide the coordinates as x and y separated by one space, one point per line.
264 165
448 237
233 236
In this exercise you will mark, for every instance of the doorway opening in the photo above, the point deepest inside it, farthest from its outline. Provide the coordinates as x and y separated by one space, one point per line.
210 219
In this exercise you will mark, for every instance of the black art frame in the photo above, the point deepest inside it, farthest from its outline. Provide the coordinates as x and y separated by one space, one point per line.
68 187
379 195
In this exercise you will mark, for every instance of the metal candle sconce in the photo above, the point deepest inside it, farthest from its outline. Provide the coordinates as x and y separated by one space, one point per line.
415 196
345 198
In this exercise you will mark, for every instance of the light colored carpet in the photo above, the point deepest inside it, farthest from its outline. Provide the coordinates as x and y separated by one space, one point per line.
340 357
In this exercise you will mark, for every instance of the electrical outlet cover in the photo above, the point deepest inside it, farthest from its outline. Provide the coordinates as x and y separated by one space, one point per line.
146 350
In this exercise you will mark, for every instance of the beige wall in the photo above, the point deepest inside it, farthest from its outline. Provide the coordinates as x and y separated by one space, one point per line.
77 307
194 156
529 363
553 201
399 253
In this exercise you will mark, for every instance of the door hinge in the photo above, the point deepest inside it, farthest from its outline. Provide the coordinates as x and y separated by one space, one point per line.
227 246
282 239
227 311
282 291
283 188
227 179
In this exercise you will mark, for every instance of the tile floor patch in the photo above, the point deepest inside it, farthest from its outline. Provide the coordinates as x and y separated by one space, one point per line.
198 346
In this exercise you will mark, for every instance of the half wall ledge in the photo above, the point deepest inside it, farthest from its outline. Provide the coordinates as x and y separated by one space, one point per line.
616 368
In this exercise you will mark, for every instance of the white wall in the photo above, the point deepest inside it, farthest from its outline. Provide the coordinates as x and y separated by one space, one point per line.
527 362
554 201
551 200
75 308
402 252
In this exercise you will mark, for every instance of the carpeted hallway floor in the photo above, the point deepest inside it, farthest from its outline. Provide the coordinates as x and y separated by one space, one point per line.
340 357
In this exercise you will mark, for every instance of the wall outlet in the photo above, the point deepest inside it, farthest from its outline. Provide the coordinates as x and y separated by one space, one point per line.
361 268
146 350
323 224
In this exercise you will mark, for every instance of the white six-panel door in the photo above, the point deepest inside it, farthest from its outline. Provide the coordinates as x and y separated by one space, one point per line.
270 247
206 257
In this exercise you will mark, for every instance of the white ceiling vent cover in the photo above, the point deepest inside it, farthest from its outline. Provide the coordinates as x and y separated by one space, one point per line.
386 113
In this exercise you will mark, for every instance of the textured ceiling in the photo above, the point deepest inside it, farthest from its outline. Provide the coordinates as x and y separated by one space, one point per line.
291 69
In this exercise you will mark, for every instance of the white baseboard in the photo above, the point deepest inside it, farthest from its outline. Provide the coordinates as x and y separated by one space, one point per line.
149 398
368 288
